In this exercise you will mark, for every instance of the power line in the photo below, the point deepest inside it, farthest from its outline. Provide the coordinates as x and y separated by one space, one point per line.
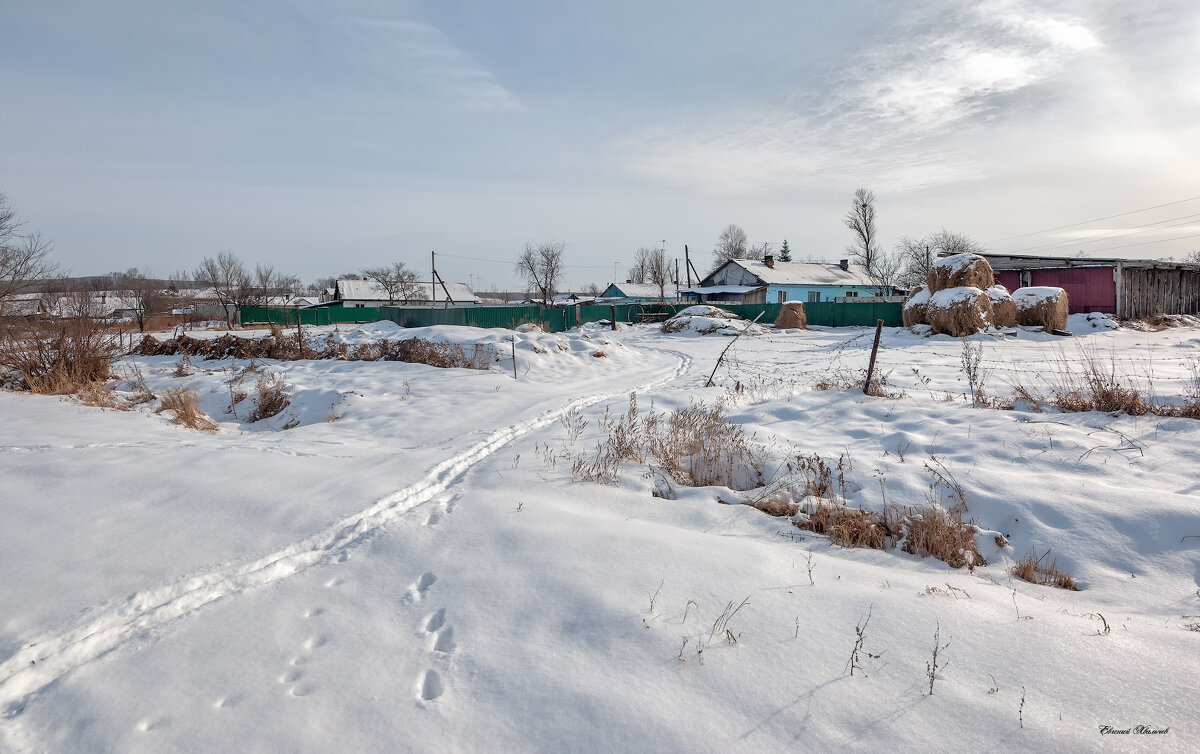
1095 220
513 262
1160 225
1147 243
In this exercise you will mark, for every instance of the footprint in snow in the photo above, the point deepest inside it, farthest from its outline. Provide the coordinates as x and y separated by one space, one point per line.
418 588
429 686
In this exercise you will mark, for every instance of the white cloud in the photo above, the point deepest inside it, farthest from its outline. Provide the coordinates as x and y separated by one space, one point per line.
897 117
414 47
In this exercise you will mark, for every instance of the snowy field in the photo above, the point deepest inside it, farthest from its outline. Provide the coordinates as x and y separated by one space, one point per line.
412 566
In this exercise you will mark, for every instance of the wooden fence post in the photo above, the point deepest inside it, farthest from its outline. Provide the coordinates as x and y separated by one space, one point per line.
874 350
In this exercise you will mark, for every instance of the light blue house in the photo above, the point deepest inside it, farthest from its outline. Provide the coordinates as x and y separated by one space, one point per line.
753 281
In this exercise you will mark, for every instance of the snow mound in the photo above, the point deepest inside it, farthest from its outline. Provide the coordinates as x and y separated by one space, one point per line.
708 320
1035 295
1078 323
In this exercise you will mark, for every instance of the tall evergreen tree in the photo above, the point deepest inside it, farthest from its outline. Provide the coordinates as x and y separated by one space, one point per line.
785 253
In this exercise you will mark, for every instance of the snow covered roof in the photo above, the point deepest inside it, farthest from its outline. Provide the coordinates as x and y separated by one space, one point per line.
369 290
805 273
640 290
710 289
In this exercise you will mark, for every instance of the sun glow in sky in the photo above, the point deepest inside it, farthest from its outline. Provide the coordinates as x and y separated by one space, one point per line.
323 137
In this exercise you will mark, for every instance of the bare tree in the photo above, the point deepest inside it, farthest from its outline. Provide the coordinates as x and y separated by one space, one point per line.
541 267
266 284
23 256
593 289
639 272
143 293
658 271
1192 257
228 279
731 244
398 282
861 221
919 255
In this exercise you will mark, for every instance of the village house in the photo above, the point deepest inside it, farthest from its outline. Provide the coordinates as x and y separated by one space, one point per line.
753 281
357 294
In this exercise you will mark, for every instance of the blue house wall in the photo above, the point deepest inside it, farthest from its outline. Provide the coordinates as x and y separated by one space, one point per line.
822 292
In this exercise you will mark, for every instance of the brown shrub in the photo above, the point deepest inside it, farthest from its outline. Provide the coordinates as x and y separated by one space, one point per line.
1030 568
184 405
271 397
1042 307
58 357
960 271
1004 309
99 394
959 312
791 316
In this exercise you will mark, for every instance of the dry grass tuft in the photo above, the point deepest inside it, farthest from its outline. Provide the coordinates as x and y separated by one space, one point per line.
101 395
1030 568
696 447
599 355
184 405
939 533
271 397
791 316
851 527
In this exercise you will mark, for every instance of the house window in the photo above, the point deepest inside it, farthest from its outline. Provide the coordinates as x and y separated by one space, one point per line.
782 296
851 294
814 297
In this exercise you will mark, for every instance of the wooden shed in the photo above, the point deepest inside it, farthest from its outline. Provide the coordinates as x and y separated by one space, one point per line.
1127 288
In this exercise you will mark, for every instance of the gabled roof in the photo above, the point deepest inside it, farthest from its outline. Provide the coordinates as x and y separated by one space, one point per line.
369 290
641 290
803 273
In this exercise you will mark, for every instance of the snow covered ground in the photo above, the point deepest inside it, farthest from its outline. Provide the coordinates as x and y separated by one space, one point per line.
413 567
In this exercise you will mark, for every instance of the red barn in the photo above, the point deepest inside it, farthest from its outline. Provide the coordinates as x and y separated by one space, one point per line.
1128 288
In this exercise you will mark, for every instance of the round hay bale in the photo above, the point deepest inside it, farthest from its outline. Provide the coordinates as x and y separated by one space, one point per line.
1042 306
960 311
791 316
1004 309
960 271
915 309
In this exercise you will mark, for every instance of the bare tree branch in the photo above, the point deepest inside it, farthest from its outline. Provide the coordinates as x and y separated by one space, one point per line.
541 267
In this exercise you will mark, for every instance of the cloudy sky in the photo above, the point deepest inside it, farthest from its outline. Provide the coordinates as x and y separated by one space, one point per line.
323 137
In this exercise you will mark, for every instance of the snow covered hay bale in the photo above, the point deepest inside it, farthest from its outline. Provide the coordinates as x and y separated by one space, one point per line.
960 311
1004 309
703 319
960 271
1042 306
915 310
791 316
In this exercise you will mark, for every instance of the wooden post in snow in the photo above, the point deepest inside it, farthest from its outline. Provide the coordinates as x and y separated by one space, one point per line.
612 315
874 350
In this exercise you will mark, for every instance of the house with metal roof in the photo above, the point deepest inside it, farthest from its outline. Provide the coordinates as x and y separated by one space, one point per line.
754 281
351 294
638 292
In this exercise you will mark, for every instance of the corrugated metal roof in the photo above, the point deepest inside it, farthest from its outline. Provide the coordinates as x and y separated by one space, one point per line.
369 290
805 273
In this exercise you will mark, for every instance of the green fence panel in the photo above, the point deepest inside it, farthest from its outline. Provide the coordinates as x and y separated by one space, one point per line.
825 313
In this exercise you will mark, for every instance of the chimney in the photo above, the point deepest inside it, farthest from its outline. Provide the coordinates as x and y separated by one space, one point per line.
769 261
844 264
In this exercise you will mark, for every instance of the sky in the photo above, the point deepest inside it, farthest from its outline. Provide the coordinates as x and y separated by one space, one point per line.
324 137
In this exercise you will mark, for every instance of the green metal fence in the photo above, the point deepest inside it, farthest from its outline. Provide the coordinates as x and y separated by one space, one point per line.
319 316
825 313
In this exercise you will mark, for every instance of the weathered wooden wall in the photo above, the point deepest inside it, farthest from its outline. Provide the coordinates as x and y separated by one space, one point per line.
1146 291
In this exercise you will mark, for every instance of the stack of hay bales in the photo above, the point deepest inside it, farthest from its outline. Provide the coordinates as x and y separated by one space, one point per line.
791 316
914 312
1042 306
958 305
1004 309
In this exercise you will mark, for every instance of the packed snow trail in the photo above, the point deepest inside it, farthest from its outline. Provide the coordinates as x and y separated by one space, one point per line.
41 662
